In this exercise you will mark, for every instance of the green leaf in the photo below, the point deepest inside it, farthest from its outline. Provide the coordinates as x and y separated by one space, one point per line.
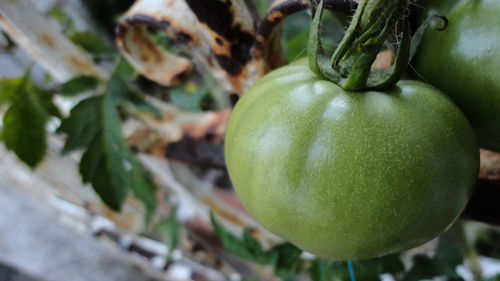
282 256
487 242
107 163
143 187
93 44
319 270
423 268
124 94
82 125
247 248
188 96
131 96
78 85
46 100
170 230
287 263
24 124
125 71
447 258
496 278
60 16
286 254
8 88
444 263
324 270
391 264
365 270
104 166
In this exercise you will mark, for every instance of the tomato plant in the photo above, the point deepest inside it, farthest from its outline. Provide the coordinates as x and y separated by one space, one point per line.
350 175
463 61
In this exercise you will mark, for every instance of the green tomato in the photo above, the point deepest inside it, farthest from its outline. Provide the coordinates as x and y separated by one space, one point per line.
464 61
350 175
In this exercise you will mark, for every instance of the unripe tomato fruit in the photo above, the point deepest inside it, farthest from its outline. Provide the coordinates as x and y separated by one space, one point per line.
463 61
350 175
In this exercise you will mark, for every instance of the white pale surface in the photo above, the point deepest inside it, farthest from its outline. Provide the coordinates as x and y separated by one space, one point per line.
33 240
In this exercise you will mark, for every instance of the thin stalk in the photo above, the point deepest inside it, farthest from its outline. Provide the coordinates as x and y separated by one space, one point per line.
468 251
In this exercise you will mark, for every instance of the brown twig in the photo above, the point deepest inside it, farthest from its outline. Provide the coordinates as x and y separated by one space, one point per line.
282 9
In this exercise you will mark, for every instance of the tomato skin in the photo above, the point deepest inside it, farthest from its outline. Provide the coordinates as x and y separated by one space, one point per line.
464 62
350 175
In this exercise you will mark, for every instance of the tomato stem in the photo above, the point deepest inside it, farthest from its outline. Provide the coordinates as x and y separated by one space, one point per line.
350 65
468 250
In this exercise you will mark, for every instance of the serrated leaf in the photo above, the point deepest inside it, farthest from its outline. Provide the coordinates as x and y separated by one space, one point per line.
82 125
107 163
105 168
170 227
287 263
8 88
24 125
129 95
286 254
122 93
281 256
247 248
93 44
78 85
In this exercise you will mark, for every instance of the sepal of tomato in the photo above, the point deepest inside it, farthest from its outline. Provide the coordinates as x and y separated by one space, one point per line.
350 175
464 61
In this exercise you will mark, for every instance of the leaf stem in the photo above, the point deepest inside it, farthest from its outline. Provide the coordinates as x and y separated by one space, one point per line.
468 251
350 65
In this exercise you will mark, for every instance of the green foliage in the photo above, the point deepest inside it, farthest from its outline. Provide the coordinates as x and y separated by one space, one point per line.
365 270
284 257
107 163
488 242
80 127
444 263
78 85
24 122
93 44
8 88
286 262
170 229
89 41
189 96
496 278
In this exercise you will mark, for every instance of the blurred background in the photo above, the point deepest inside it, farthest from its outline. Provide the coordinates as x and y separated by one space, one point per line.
111 160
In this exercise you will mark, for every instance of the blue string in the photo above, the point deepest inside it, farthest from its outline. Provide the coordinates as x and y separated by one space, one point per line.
351 270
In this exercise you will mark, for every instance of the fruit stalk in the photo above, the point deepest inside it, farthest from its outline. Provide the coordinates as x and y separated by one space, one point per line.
351 62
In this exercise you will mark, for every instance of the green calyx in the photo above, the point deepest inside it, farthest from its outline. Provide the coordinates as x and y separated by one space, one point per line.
350 65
